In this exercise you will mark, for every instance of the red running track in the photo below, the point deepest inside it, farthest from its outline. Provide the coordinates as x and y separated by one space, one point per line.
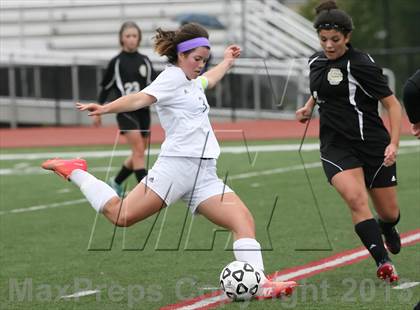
225 131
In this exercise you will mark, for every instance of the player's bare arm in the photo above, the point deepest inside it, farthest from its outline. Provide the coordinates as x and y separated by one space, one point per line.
126 103
393 108
304 113
215 74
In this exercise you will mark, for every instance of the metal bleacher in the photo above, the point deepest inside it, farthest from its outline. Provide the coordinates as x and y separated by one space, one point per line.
264 28
35 34
90 27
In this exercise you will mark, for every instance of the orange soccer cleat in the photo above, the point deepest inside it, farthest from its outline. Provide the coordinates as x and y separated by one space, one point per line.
273 289
387 272
64 167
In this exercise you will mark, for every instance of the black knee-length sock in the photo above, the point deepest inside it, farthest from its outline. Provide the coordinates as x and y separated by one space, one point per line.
140 174
370 234
123 174
386 226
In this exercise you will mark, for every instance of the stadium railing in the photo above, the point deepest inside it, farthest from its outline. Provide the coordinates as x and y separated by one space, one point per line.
41 88
56 52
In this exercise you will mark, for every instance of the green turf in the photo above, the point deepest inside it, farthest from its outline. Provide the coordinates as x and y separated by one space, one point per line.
162 261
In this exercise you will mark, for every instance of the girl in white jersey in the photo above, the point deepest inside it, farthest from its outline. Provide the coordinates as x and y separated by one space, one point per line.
186 166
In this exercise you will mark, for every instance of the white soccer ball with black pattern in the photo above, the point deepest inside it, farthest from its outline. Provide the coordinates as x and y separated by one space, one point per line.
240 281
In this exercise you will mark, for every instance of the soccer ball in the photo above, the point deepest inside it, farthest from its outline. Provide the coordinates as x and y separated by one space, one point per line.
240 281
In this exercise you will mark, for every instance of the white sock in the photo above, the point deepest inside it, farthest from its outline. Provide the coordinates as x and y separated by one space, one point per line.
98 193
249 250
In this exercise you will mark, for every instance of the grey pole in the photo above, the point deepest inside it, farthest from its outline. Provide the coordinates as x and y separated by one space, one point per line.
75 88
37 82
12 94
257 94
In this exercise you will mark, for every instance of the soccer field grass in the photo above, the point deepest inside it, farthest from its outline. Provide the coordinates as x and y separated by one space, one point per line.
52 243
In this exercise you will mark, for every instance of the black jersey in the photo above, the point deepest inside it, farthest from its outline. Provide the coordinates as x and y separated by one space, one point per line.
415 78
347 91
126 73
411 95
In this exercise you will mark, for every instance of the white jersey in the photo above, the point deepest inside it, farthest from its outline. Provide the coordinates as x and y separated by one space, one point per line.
183 112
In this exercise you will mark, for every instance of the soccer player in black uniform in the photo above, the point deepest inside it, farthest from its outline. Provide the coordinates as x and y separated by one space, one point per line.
411 98
357 152
128 73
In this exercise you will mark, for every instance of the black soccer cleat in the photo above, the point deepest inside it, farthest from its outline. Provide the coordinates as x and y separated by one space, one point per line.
393 240
392 237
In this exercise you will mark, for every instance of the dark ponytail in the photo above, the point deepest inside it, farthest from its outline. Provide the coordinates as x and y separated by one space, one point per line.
167 41
329 16
325 6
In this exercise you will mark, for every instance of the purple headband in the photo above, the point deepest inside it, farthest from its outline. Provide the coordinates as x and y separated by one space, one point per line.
193 43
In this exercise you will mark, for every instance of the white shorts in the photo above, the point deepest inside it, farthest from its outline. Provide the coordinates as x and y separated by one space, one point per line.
191 179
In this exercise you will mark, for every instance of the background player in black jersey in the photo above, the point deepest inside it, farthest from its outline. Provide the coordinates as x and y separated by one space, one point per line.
411 98
127 73
357 152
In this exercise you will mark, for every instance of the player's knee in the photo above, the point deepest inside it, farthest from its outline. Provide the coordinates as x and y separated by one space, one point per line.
390 214
138 151
356 201
124 221
117 214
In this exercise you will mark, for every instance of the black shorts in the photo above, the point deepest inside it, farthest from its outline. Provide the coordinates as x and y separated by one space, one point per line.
337 158
411 96
136 120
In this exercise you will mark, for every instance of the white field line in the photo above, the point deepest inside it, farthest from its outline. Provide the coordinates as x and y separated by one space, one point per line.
233 177
155 151
333 263
81 294
38 170
43 207
273 171
406 285
23 169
